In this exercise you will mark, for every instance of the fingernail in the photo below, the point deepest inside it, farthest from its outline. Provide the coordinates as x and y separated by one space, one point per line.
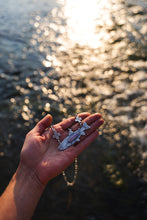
101 121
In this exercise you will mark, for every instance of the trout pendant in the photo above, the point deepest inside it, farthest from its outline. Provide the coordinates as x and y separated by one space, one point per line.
73 136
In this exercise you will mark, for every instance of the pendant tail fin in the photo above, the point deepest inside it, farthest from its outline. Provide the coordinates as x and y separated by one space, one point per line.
86 126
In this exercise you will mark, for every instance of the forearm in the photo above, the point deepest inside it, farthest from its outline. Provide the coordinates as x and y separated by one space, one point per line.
21 196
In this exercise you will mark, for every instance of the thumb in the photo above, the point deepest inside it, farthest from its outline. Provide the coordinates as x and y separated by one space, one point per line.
43 124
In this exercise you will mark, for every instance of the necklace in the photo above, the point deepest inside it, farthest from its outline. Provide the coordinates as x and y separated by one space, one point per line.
72 138
71 183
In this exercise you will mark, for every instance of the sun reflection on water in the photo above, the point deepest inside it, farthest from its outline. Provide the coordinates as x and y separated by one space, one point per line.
76 22
81 21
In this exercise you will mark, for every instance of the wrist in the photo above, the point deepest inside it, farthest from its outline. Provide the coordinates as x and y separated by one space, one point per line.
21 196
27 191
26 176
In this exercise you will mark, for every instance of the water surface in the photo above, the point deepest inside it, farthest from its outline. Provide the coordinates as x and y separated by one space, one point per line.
64 57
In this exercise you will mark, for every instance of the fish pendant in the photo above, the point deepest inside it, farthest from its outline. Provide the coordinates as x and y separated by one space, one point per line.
73 137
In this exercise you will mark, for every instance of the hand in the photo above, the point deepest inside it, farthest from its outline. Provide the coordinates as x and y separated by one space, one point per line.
40 161
40 153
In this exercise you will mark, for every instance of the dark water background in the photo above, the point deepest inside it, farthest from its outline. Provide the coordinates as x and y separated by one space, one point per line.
64 57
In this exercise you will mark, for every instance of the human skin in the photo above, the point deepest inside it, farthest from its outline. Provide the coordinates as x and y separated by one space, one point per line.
40 161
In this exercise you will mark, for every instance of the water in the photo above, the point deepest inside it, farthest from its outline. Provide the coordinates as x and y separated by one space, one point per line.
65 57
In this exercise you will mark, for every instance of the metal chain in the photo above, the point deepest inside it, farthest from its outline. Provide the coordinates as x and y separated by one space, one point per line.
57 137
75 174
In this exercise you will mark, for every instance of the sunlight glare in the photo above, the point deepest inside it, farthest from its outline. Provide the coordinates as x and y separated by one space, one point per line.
81 18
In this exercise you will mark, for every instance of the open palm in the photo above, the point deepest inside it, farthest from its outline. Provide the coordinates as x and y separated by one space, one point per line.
40 152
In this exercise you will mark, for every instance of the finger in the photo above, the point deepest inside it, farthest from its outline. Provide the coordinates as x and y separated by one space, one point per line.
92 118
67 123
86 142
89 120
94 126
94 121
76 150
43 124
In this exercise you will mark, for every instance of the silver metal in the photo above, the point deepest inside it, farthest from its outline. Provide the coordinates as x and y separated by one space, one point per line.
71 183
56 134
73 137
78 119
